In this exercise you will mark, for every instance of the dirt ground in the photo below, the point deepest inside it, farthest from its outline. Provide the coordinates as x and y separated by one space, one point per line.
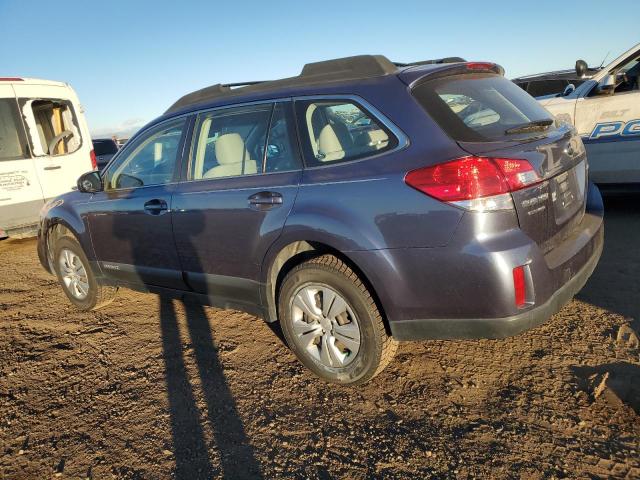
153 388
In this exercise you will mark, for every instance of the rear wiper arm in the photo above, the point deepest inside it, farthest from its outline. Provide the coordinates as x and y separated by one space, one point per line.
530 126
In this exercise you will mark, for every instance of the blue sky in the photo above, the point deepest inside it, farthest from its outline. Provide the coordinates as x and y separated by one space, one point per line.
129 60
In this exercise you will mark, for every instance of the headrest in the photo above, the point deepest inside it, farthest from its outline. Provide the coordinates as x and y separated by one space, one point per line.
230 149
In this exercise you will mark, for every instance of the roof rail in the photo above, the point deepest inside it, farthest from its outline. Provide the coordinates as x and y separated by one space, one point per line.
339 69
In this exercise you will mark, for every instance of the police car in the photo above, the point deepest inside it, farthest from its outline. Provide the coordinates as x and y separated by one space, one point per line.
605 110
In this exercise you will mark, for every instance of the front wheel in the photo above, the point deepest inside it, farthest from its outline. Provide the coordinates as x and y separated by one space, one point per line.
76 277
332 323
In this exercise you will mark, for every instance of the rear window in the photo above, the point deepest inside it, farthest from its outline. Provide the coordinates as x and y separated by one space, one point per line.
105 147
478 108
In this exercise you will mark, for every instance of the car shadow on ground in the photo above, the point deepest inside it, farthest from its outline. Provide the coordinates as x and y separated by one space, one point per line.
620 379
620 261
191 450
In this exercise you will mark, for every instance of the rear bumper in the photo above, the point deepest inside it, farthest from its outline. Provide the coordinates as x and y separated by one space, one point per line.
466 290
450 328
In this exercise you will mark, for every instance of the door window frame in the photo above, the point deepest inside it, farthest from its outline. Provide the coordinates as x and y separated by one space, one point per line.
144 135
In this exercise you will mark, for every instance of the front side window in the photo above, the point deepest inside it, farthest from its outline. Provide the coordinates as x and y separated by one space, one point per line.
340 131
230 142
150 160
12 144
53 126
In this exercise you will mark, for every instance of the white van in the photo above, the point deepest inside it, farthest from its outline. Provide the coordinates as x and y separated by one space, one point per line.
44 147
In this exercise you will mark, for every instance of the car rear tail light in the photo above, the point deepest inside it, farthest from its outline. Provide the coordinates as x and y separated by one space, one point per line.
11 79
519 286
94 161
474 183
481 66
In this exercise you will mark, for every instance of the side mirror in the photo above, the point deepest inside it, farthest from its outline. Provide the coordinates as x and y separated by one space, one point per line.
568 90
607 85
90 182
581 68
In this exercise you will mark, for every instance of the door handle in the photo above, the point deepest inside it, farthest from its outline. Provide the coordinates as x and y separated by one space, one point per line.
156 207
56 167
265 200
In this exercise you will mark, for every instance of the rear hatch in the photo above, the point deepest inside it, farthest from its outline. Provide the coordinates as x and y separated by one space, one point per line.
489 116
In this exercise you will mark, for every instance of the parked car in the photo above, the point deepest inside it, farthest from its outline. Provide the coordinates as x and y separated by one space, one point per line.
44 147
550 84
105 149
605 110
456 213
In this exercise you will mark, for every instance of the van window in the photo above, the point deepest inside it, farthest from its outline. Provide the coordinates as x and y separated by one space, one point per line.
339 131
478 108
53 125
12 142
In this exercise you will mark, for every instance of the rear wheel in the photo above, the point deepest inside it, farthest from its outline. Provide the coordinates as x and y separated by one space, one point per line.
332 323
76 277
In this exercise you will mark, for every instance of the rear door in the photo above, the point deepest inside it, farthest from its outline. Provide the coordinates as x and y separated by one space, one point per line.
610 126
489 116
130 221
57 135
20 193
242 180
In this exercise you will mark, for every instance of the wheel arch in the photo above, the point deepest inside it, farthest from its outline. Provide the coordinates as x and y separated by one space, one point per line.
295 252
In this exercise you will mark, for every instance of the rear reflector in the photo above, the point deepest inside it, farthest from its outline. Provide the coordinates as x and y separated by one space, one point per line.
519 286
94 161
465 180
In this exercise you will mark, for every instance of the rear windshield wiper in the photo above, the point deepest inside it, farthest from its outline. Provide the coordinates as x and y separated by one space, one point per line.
530 126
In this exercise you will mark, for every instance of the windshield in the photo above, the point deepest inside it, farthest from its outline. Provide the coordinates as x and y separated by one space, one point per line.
479 108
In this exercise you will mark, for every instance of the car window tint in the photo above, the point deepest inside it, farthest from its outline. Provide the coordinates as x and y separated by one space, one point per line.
339 131
151 160
105 147
478 108
230 142
12 145
282 154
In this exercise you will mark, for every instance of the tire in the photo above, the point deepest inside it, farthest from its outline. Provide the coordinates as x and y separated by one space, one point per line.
321 304
96 295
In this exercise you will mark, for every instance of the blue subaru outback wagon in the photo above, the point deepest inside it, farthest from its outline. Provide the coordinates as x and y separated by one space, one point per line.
360 203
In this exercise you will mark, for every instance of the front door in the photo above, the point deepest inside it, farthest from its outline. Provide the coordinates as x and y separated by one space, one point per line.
242 181
610 127
130 221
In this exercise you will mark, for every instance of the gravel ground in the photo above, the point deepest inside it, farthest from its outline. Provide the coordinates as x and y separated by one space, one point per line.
155 388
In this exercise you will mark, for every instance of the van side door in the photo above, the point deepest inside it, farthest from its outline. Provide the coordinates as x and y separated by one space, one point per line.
241 183
20 194
54 123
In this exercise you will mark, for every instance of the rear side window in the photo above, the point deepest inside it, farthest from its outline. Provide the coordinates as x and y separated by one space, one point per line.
340 131
478 108
230 142
12 143
539 88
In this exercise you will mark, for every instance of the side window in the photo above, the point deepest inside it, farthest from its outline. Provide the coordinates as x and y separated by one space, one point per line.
53 125
340 131
12 143
628 76
230 142
150 160
282 152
